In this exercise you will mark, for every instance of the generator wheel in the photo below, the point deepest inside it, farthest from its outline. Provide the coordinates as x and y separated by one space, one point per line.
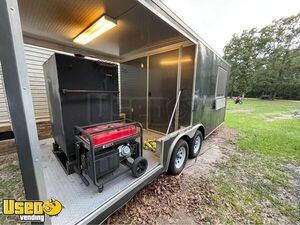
100 185
179 157
195 145
100 189
139 166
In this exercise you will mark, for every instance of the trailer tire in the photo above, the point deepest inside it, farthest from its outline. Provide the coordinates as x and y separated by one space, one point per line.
195 144
139 166
179 157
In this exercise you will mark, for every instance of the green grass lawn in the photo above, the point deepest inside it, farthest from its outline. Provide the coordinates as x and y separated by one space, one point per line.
260 183
264 129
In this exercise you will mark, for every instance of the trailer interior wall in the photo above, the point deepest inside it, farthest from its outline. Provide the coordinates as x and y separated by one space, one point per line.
133 86
150 86
186 85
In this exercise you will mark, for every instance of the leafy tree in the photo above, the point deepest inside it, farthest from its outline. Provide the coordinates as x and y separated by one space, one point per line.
241 53
277 44
267 61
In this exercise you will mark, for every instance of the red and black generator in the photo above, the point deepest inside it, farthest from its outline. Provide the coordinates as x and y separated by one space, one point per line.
100 148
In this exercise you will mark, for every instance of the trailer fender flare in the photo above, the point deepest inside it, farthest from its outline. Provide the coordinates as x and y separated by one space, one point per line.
183 135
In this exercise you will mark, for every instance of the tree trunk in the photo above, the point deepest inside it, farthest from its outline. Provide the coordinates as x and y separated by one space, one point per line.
231 93
273 95
243 96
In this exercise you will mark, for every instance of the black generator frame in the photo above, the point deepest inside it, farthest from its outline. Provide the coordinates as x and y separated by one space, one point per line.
80 142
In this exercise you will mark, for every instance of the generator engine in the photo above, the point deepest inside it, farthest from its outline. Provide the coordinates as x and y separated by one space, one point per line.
101 148
125 150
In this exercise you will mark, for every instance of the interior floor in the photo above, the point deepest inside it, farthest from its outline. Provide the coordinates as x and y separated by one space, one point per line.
78 199
151 135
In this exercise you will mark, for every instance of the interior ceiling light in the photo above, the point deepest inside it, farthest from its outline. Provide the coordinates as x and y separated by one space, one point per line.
102 25
175 61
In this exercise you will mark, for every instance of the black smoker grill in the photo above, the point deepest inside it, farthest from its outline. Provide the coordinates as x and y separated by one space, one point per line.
80 92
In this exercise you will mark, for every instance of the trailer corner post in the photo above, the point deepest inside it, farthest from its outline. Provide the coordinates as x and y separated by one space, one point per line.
20 101
194 83
147 93
178 89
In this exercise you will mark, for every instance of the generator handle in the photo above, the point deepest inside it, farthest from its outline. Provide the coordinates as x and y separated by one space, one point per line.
114 128
98 124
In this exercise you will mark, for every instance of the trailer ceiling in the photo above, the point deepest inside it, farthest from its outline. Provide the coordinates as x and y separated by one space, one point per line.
54 24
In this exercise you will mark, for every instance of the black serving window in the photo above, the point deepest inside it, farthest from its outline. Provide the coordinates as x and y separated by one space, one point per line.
221 82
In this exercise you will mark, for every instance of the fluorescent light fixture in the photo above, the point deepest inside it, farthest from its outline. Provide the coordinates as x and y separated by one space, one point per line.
175 61
102 25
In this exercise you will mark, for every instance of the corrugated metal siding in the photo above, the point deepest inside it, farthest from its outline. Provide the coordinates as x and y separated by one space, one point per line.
35 58
4 115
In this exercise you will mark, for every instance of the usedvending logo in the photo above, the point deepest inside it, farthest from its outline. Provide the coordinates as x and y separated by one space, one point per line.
31 210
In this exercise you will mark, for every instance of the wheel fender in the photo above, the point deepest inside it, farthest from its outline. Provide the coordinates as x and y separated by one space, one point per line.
190 133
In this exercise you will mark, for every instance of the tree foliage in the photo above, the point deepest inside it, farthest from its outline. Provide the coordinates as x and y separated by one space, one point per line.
266 61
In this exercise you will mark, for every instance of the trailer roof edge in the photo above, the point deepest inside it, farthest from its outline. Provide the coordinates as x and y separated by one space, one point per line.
183 25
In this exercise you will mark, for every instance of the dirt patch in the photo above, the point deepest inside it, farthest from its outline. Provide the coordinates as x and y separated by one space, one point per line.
166 201
270 117
215 150
292 194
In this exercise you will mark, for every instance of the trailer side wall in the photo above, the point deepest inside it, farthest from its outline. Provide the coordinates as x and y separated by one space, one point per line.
212 75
